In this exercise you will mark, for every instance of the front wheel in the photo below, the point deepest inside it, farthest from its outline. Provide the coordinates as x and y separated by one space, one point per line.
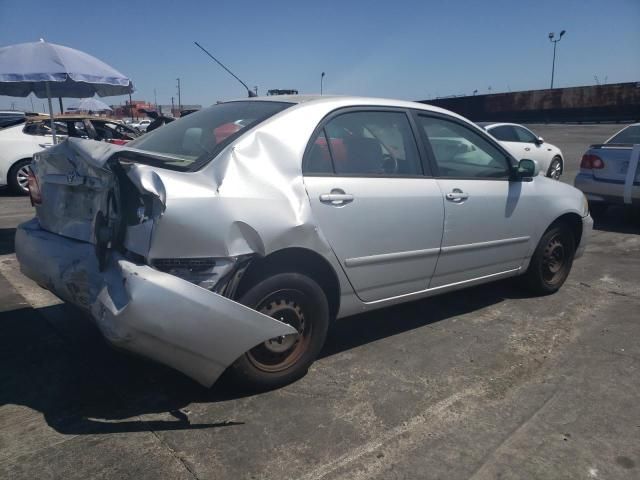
555 168
18 178
552 260
294 299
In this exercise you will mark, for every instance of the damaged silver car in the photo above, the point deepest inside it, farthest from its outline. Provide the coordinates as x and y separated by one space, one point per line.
232 238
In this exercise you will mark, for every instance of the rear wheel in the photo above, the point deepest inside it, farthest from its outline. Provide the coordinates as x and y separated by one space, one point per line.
551 261
294 299
555 168
18 177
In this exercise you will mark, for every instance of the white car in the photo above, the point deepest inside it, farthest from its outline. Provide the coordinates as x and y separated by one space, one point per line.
142 124
523 143
17 146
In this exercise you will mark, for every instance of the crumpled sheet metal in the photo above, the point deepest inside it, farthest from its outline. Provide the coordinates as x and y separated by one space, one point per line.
251 199
71 176
143 310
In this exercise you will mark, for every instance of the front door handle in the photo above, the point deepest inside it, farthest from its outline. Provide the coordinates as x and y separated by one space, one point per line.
527 149
337 197
457 195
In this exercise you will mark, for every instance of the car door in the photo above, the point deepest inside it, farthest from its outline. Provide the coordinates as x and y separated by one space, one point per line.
373 202
488 218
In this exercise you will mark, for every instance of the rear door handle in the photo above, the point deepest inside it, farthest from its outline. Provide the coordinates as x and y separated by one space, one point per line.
527 149
336 197
457 195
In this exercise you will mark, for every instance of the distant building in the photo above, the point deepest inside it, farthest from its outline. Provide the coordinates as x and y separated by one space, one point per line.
276 91
173 111
128 110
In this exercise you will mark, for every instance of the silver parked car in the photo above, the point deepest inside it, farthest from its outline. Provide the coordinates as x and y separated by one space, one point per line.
610 172
232 238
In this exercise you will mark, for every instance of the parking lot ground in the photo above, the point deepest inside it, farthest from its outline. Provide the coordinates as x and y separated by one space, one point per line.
485 383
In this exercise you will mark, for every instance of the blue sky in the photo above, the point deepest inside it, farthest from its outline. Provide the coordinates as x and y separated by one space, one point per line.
400 49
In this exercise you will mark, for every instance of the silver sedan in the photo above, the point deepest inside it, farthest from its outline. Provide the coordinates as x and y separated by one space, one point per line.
232 238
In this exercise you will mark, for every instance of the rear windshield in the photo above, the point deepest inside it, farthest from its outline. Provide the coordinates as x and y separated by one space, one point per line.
630 135
189 142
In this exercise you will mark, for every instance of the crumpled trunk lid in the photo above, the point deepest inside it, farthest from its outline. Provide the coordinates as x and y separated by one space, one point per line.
75 183
91 193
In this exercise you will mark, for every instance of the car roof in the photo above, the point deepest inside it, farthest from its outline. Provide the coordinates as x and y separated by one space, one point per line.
487 125
339 101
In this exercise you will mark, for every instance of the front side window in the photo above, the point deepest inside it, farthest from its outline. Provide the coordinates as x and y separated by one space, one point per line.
199 137
365 143
525 135
459 152
505 133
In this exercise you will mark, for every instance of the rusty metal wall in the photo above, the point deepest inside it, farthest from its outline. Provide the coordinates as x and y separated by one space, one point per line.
613 102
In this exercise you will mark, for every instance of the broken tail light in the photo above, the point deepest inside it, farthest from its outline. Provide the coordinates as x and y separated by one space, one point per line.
34 189
591 161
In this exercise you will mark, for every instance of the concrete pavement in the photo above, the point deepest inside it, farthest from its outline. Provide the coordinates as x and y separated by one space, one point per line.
485 383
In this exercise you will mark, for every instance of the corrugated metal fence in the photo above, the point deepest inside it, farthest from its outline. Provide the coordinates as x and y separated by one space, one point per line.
597 103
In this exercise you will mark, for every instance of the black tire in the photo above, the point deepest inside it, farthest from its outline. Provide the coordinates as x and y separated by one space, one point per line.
555 168
295 299
598 210
16 178
551 261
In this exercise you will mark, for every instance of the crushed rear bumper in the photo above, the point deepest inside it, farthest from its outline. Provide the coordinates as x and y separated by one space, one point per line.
143 310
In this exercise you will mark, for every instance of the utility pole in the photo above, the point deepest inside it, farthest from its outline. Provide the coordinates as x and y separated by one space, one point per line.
131 106
179 98
321 81
555 42
172 106
155 98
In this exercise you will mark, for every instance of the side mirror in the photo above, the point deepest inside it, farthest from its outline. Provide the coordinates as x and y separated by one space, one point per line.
539 141
527 169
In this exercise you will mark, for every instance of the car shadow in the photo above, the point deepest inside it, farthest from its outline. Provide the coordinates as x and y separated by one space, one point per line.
618 219
7 240
56 362
351 332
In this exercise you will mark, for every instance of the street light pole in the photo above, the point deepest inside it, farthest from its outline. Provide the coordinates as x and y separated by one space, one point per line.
553 64
321 79
179 98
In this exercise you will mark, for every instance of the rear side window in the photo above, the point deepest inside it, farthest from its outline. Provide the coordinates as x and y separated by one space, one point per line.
193 140
368 143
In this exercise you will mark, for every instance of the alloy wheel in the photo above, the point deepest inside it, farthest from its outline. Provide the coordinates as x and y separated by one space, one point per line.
555 170
22 178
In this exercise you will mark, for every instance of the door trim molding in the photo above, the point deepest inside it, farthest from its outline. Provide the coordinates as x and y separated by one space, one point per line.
449 286
390 257
480 245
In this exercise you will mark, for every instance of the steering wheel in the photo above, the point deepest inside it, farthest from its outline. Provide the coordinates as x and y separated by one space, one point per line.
389 163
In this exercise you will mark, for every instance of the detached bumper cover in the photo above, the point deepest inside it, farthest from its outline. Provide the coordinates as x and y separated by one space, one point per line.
140 309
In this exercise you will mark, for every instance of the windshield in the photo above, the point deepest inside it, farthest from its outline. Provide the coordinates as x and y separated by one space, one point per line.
197 138
630 135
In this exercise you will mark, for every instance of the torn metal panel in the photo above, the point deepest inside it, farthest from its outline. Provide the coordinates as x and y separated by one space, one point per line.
146 311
